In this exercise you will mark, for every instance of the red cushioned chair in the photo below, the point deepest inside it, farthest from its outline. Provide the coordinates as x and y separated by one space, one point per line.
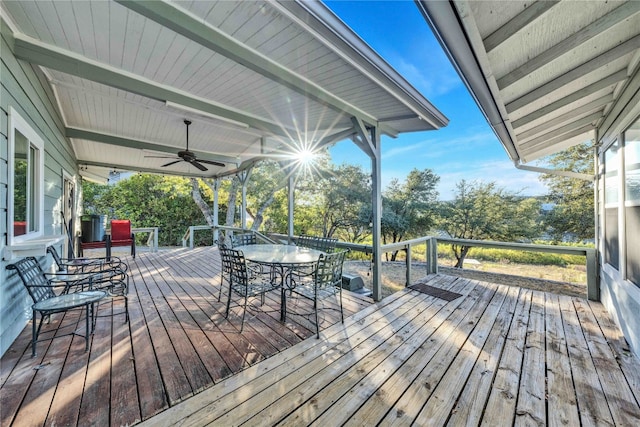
121 235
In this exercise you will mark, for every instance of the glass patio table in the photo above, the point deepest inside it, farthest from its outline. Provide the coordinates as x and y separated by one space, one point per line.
283 259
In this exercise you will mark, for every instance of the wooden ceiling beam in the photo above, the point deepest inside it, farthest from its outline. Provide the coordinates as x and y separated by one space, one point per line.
518 22
565 46
119 141
570 76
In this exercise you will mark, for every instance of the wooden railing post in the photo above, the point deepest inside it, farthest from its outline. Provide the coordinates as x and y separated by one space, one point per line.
408 266
431 253
593 288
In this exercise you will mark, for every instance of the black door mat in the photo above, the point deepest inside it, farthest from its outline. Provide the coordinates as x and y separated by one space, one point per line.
435 292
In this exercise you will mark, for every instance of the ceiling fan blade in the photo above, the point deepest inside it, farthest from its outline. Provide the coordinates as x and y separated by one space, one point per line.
198 165
160 157
212 162
171 163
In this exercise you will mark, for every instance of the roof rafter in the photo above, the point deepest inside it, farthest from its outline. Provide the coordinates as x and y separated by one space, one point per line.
53 57
590 119
595 28
181 22
581 70
124 167
612 79
518 22
119 141
596 104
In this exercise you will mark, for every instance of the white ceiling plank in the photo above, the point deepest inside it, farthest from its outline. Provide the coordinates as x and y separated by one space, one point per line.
562 130
585 68
619 14
140 145
182 23
68 62
583 92
597 104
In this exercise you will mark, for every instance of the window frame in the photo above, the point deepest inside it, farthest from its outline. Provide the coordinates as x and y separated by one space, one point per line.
626 205
34 202
616 146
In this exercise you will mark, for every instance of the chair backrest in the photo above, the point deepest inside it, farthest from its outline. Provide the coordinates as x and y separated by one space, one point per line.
324 244
56 258
233 263
120 229
329 271
244 239
33 278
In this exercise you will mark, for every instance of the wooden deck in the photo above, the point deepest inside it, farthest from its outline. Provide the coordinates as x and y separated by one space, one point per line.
177 344
497 355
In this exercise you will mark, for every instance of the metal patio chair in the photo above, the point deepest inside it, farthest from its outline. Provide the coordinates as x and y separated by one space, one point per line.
242 280
324 244
109 274
243 239
325 281
74 293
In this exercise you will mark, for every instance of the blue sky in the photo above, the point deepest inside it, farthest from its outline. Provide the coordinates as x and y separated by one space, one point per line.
467 148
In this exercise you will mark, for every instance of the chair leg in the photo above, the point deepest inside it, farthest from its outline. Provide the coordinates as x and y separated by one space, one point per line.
34 336
126 308
315 305
89 313
221 285
226 315
244 310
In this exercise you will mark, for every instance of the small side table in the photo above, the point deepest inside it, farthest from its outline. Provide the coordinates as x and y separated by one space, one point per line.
64 303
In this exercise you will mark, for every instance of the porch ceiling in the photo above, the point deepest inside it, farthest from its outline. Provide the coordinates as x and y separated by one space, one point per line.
546 74
256 78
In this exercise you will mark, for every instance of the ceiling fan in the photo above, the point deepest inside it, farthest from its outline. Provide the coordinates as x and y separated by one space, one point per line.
189 156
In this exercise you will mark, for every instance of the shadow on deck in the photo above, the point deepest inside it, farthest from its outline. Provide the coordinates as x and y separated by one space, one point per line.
496 355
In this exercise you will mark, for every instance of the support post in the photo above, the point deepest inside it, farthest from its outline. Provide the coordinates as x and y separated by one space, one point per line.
408 264
432 255
368 139
593 288
291 204
244 180
216 232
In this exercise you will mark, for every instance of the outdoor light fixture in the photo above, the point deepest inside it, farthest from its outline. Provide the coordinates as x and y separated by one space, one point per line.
205 114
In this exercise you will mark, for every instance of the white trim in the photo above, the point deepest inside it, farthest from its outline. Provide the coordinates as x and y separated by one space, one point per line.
16 122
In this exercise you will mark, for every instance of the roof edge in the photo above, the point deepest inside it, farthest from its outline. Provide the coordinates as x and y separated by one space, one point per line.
445 23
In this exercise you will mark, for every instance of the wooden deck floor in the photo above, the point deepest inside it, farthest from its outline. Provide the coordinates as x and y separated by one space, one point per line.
497 355
177 344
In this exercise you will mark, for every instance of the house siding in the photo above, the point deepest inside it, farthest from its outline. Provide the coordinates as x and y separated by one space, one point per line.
25 89
621 297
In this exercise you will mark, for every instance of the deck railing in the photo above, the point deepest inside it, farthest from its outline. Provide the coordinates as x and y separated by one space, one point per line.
431 251
188 237
152 240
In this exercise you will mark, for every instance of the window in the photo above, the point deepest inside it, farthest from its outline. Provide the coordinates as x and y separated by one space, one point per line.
632 201
26 165
611 200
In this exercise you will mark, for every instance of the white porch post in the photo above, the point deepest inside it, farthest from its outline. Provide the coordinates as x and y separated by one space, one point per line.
369 141
244 180
291 203
216 187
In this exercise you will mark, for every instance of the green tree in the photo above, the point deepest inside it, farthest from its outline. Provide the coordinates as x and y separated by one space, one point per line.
408 208
333 201
148 201
483 211
572 214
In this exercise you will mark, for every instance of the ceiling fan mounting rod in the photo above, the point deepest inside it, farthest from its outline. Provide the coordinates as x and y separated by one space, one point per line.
187 122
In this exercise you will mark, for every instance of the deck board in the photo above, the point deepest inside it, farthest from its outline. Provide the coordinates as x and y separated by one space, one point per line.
498 355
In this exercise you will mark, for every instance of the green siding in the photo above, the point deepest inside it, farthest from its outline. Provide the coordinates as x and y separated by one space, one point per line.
24 88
